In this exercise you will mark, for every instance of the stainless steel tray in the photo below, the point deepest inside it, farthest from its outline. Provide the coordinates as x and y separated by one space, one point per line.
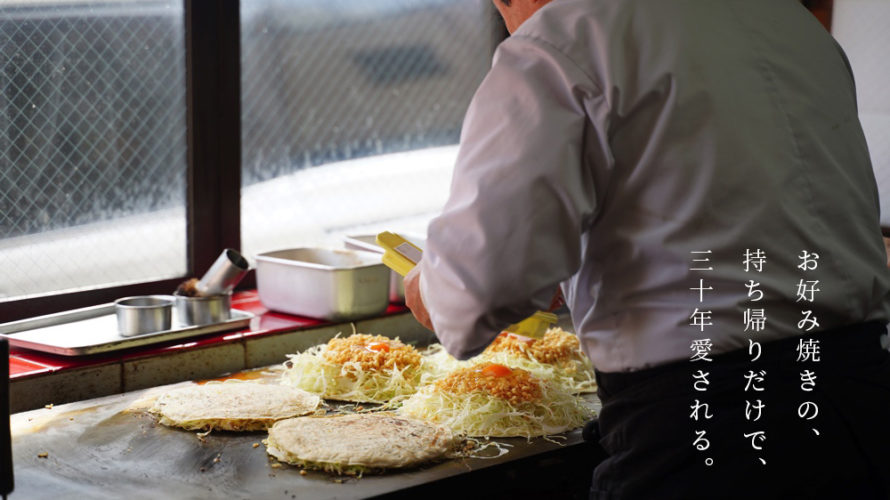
93 330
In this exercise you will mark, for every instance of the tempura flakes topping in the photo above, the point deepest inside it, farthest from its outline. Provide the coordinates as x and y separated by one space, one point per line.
516 386
556 346
372 352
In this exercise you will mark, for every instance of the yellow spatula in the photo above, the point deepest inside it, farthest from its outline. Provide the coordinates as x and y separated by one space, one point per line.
401 256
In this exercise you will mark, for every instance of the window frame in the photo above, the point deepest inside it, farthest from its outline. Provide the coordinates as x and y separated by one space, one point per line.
213 144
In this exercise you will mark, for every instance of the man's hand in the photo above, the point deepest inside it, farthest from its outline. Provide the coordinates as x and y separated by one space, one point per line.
413 299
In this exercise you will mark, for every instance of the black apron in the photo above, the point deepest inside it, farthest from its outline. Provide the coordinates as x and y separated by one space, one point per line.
647 429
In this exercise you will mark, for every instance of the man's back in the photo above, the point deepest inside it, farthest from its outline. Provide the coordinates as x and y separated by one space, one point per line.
678 165
719 127
614 142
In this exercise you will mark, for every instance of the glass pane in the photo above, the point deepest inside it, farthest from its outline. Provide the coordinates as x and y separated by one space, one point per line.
350 113
92 144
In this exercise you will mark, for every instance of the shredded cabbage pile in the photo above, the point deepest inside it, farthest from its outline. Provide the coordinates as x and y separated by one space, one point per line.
575 375
479 414
311 372
437 364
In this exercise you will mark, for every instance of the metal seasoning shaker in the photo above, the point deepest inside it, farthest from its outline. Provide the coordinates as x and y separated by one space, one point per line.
229 268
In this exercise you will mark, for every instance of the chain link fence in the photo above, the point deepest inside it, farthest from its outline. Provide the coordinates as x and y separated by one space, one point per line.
328 86
346 105
92 139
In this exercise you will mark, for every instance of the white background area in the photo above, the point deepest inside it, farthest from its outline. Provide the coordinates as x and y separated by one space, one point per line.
862 27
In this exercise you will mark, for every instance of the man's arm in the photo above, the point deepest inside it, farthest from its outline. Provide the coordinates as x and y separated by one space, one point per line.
520 198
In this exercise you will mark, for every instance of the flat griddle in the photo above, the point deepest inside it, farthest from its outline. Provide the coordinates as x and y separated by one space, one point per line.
109 448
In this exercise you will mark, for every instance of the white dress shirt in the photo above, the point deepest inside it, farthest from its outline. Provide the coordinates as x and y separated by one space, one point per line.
614 140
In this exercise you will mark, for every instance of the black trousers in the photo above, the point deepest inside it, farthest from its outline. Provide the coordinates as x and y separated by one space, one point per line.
832 441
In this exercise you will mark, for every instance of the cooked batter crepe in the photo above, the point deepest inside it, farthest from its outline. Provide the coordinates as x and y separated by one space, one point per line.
361 368
232 406
490 399
557 356
358 443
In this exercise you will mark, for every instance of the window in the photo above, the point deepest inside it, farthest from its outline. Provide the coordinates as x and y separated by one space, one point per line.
92 145
330 90
139 137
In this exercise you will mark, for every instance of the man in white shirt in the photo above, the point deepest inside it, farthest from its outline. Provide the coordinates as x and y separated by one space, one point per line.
693 174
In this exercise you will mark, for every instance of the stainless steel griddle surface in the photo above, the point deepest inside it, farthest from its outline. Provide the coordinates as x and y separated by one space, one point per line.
109 448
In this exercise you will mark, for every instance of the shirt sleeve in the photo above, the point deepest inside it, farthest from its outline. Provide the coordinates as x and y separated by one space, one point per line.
511 229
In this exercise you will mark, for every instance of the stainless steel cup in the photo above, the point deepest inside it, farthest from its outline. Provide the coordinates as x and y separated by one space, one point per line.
229 268
191 311
143 314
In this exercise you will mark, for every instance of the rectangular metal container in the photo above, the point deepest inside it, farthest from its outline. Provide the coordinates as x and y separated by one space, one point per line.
368 242
336 285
